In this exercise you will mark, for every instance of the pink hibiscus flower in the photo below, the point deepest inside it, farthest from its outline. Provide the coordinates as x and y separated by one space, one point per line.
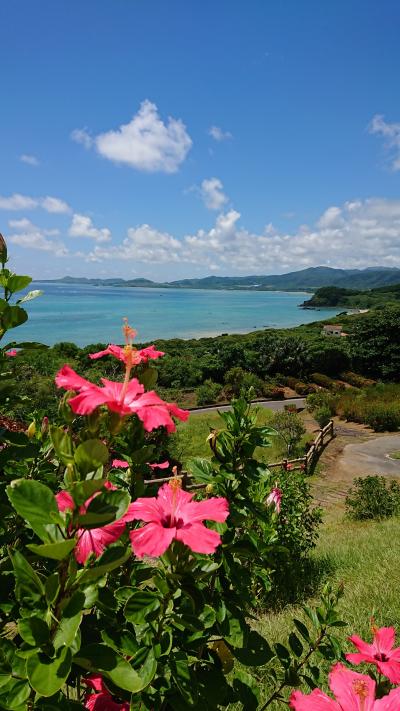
12 353
173 515
101 700
275 498
122 464
129 354
127 398
92 540
380 653
353 692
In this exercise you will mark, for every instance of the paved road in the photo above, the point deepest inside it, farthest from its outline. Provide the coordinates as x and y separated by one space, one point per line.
371 457
275 405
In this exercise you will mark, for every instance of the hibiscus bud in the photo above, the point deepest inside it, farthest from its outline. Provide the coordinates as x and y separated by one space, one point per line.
3 250
115 422
64 407
209 489
31 431
45 425
93 420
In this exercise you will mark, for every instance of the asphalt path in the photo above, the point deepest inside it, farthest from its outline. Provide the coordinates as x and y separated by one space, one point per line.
275 405
371 457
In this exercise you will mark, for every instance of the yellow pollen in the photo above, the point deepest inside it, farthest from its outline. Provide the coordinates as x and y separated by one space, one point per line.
175 484
360 687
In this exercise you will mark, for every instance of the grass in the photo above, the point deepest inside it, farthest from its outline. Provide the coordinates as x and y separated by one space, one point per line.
395 455
365 558
190 439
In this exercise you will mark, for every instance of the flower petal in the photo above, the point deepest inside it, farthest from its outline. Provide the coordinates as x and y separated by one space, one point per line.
65 501
150 352
68 379
363 647
214 509
152 540
96 540
120 463
316 701
88 400
384 639
391 702
391 670
199 538
116 351
344 683
146 509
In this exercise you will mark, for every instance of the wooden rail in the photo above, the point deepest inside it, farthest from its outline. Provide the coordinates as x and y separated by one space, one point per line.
303 463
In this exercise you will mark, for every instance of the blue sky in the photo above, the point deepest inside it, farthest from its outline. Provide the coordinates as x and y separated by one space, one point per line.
260 137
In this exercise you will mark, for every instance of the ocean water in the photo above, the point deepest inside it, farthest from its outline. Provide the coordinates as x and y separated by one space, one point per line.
90 314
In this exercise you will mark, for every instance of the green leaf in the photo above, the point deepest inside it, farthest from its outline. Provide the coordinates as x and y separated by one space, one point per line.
82 490
17 283
247 690
255 652
148 378
100 658
33 631
105 508
302 629
90 455
35 503
48 675
55 551
201 469
70 621
295 644
183 677
141 604
52 588
112 558
13 696
27 581
13 316
62 443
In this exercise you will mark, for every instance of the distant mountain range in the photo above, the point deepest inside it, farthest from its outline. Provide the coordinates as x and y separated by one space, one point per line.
303 280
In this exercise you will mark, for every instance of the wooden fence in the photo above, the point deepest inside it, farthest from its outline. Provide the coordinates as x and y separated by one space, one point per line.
304 463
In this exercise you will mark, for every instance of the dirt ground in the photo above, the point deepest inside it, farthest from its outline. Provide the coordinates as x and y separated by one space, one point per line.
355 451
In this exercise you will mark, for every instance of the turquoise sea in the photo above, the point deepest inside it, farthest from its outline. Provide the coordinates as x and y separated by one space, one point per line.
91 314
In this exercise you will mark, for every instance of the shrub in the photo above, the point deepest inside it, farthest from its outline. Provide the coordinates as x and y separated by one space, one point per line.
358 381
297 529
304 388
290 428
322 415
239 381
373 497
208 392
383 417
316 401
323 380
276 393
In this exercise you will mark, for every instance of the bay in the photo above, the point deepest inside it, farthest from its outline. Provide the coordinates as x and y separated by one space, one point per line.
85 314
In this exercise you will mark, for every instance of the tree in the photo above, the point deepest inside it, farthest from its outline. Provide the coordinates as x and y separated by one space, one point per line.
374 344
290 428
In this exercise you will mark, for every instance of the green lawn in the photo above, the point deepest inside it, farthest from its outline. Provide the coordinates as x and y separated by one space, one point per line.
190 439
365 558
394 455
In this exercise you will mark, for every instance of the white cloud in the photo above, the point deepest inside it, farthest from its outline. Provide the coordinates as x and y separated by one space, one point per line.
19 202
82 226
29 159
391 134
212 194
357 234
30 236
55 205
145 143
218 134
81 135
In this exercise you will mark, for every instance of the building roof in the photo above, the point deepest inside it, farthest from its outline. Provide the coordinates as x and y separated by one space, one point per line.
332 327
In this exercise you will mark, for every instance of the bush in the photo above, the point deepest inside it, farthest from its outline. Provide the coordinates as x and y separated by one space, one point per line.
274 392
297 529
321 399
358 381
208 393
383 417
373 497
322 415
239 381
290 428
323 380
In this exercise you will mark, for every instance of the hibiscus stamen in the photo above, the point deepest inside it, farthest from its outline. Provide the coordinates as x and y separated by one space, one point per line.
176 485
130 356
360 688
